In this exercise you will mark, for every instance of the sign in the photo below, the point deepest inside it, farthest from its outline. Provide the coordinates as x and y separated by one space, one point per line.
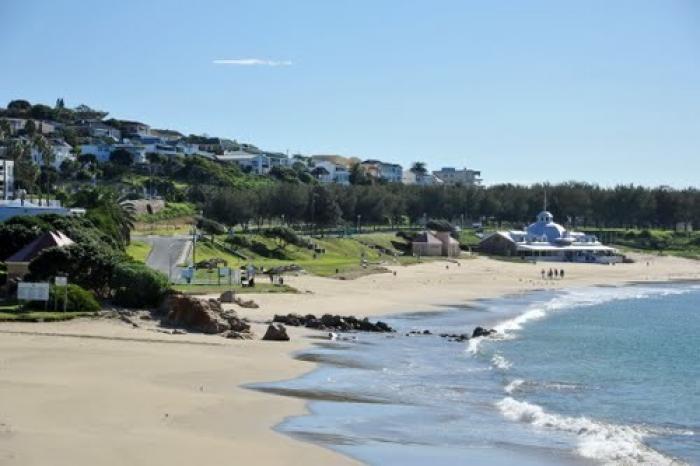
61 281
27 291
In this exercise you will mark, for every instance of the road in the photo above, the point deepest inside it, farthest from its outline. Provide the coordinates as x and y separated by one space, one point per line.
167 252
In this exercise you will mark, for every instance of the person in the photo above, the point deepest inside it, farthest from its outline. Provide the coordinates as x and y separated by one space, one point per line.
561 273
543 274
550 273
556 273
272 278
281 281
394 272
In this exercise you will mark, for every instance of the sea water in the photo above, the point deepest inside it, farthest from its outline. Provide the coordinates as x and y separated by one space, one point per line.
604 375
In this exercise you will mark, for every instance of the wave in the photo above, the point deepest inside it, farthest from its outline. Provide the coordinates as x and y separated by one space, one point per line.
581 297
608 443
513 386
500 362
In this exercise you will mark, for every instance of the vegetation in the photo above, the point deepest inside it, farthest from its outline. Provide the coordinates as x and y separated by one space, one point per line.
135 285
78 299
138 251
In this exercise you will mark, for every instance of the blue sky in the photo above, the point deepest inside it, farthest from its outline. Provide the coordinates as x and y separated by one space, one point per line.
599 91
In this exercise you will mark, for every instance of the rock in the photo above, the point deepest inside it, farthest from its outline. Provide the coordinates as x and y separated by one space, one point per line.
276 332
238 335
249 303
227 296
332 322
482 332
194 314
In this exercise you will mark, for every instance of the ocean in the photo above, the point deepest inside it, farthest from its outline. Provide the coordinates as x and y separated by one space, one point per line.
598 375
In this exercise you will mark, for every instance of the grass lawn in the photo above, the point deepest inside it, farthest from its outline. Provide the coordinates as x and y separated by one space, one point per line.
260 287
39 316
138 250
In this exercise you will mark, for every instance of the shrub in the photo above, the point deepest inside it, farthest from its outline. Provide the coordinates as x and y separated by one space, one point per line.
239 240
135 285
284 236
79 299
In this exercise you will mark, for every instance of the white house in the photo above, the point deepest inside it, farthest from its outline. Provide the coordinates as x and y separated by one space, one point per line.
465 176
391 172
329 172
420 179
96 128
19 207
255 163
61 151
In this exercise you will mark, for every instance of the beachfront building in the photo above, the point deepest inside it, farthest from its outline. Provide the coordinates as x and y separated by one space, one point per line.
7 179
390 172
465 176
545 240
441 243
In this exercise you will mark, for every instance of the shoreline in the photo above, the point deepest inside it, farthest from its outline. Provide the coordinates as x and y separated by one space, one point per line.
157 404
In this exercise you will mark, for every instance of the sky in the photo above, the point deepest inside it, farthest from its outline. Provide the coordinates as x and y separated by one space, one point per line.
600 91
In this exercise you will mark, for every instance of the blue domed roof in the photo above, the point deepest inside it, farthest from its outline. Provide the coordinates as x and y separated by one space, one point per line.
545 227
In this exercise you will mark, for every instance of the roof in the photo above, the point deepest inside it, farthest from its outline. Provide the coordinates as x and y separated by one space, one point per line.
573 247
47 240
426 237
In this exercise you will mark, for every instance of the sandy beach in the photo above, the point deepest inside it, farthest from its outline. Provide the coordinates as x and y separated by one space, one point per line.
90 392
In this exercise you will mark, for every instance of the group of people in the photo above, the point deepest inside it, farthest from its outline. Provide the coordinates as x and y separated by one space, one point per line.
553 273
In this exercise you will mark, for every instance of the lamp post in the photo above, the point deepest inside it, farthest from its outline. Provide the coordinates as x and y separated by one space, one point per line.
359 223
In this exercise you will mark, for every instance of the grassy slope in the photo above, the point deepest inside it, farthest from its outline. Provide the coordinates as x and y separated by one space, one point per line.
138 250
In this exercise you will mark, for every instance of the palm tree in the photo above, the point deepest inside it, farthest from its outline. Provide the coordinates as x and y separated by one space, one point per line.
113 214
5 129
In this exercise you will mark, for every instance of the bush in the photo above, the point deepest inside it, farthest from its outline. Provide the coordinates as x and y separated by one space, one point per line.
135 285
284 236
239 240
79 299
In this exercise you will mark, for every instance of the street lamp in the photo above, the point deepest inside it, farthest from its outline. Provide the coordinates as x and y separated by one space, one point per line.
359 223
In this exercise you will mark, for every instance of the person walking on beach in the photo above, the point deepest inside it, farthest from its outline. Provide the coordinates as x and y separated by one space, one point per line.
561 273
550 273
543 274
556 273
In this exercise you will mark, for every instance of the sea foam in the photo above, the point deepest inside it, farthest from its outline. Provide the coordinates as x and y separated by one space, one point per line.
608 443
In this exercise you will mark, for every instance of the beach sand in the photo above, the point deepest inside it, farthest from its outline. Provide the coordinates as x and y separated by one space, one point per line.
89 392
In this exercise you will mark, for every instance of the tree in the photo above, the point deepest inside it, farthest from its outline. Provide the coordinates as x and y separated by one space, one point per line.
323 208
5 129
419 168
114 215
136 285
19 105
15 237
358 174
30 128
122 157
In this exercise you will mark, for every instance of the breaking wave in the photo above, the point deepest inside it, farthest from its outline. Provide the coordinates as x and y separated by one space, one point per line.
609 443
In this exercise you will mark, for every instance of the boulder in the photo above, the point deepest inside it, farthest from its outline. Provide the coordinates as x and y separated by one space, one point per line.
234 335
482 332
227 296
194 314
276 332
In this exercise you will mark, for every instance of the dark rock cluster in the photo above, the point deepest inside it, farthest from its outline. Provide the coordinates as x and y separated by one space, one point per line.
198 315
333 322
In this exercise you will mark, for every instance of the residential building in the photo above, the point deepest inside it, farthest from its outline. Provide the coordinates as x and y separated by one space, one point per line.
465 176
61 150
253 163
20 207
98 129
329 172
18 263
43 127
101 151
545 240
390 172
420 179
139 151
134 128
7 179
277 159
169 135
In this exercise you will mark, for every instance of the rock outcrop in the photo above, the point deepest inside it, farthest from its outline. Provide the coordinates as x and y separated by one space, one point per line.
482 332
276 332
333 322
198 315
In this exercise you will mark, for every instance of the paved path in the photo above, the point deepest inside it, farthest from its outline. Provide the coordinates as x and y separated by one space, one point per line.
167 252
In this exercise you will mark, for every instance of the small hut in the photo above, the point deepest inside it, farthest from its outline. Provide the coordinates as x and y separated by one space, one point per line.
450 246
426 244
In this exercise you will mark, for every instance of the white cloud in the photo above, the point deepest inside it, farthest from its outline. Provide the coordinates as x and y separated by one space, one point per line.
252 62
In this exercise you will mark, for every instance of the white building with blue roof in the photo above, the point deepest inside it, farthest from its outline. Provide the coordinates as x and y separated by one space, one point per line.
545 240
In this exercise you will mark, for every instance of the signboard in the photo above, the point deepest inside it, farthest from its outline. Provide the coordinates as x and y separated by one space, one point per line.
27 291
61 281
